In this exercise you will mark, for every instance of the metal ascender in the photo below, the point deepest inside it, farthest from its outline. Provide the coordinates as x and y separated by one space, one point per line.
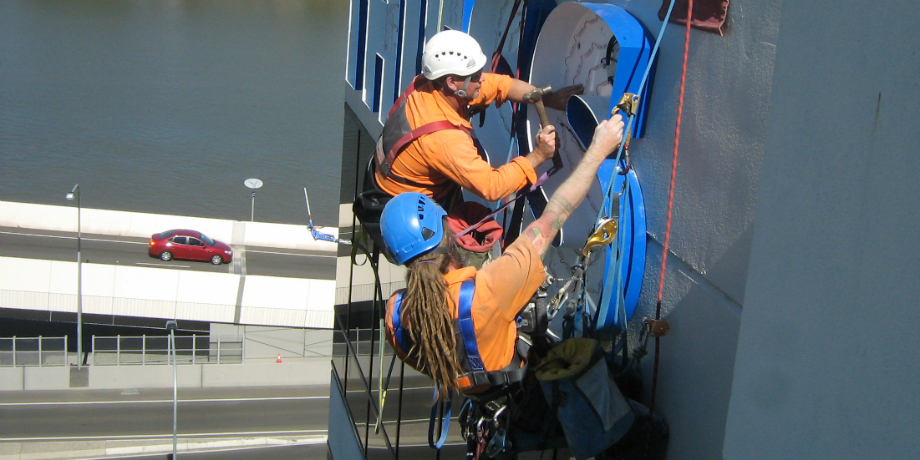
629 104
605 233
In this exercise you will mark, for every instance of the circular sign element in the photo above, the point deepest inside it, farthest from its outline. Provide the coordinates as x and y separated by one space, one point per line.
252 183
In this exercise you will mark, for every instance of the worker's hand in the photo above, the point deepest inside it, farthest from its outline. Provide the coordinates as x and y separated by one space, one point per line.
607 136
546 145
558 98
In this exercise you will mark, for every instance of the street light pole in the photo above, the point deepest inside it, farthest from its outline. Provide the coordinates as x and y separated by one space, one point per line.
252 209
70 196
172 325
252 183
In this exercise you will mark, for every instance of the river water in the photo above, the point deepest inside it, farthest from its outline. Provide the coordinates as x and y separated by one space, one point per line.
169 106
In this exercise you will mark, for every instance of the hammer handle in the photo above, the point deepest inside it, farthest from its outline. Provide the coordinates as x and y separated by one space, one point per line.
541 111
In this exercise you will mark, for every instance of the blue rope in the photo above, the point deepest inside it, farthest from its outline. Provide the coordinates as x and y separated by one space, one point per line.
616 281
632 117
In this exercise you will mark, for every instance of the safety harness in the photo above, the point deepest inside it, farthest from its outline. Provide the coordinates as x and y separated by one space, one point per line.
398 134
474 371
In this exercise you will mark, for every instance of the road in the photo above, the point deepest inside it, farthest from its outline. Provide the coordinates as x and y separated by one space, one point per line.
113 250
145 415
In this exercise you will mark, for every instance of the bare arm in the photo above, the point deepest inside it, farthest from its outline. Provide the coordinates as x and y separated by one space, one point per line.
569 195
555 100
519 89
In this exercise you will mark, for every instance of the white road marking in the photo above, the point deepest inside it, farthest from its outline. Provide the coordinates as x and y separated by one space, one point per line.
159 401
163 265
169 435
289 254
147 243
64 237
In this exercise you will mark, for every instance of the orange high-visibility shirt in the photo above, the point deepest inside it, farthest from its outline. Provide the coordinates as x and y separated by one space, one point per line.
503 289
444 159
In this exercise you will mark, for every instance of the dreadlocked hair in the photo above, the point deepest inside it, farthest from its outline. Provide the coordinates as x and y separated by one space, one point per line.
426 313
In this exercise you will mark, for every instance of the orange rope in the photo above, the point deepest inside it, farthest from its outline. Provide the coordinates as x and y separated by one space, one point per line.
667 230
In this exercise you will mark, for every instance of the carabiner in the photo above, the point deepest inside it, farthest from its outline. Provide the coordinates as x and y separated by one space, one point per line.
498 413
605 233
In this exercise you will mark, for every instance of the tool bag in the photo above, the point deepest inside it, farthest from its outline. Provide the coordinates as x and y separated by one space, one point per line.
584 397
369 204
368 207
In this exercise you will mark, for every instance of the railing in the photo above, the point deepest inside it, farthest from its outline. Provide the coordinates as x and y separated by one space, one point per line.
33 351
144 350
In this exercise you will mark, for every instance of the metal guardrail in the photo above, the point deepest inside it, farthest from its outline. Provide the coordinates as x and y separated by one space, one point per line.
33 351
144 350
123 350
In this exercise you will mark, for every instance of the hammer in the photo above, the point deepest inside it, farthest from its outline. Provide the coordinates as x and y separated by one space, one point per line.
536 97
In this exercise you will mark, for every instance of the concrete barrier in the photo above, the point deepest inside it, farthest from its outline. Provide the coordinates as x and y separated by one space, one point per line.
304 371
134 224
46 285
35 378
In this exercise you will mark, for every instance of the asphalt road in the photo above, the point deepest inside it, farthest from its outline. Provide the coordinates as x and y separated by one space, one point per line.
145 416
147 413
103 249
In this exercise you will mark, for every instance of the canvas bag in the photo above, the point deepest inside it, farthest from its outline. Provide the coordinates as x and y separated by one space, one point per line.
368 207
474 247
582 394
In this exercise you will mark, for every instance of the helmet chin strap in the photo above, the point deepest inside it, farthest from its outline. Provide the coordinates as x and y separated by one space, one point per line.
466 84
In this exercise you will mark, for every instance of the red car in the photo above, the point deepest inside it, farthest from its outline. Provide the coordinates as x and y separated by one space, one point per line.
190 245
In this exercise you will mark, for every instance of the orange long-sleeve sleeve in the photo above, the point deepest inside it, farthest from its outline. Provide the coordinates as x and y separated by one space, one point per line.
438 161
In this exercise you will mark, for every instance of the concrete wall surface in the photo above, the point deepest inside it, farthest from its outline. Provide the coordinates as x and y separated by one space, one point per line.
47 285
313 371
826 365
34 378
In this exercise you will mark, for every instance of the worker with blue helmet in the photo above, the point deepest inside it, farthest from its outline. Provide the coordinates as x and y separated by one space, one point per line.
442 297
416 234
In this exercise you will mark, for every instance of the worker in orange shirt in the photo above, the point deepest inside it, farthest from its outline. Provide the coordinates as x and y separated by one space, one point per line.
426 145
457 324
415 230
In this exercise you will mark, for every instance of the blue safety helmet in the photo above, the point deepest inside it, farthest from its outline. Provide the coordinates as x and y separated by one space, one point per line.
411 225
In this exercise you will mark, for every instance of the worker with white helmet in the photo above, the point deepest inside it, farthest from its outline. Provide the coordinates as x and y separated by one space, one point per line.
426 145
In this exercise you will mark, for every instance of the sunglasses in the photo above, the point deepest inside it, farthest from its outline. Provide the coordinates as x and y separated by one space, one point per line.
476 76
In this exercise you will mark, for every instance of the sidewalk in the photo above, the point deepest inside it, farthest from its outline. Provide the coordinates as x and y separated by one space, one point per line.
110 449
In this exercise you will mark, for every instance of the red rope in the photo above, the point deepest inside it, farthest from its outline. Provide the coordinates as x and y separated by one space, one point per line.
667 228
680 112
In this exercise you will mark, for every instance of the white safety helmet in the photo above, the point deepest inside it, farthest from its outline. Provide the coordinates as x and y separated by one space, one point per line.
452 52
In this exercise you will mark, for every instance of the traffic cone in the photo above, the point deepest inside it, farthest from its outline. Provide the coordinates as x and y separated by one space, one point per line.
279 358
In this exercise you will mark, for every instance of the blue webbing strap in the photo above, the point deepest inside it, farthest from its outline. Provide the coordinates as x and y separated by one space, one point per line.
399 333
467 329
445 422
397 326
468 333
613 285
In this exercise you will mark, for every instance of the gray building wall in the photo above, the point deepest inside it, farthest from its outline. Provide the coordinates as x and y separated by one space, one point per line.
826 364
